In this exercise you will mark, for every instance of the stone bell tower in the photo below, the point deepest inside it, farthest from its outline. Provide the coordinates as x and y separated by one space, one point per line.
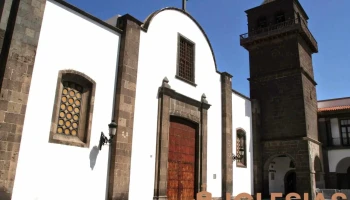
284 103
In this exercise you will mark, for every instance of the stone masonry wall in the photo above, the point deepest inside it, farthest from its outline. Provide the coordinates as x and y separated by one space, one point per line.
282 105
305 57
17 63
119 176
315 152
227 146
298 151
310 106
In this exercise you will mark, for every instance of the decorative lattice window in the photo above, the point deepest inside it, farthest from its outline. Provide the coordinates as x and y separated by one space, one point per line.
72 115
68 119
241 148
185 67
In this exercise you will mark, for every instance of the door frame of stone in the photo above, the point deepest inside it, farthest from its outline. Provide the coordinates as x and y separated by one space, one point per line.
171 103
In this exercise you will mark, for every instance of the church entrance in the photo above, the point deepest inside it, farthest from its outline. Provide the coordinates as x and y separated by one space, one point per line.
290 182
181 160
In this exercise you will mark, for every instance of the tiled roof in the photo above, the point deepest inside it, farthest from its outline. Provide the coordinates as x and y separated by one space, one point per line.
335 108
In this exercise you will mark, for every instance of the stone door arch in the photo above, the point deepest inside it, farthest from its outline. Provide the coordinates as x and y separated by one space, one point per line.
175 105
278 165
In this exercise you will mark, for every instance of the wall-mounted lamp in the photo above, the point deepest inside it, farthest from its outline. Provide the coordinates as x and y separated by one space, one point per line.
241 155
112 131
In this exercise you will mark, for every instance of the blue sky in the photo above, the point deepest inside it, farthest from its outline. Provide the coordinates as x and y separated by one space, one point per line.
224 20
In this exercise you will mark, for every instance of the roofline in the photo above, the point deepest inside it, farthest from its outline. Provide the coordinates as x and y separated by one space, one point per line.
333 99
301 8
85 14
295 1
143 25
241 95
148 21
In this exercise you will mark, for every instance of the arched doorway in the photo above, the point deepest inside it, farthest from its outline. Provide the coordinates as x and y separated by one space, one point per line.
181 183
279 175
343 173
319 180
290 180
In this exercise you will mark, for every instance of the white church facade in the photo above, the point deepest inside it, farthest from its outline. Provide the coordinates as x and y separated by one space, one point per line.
168 83
180 128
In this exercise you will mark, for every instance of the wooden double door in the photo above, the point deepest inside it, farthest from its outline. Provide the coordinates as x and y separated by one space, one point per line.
181 160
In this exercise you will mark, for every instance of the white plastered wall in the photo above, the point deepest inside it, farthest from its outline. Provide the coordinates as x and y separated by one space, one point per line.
241 119
48 171
157 59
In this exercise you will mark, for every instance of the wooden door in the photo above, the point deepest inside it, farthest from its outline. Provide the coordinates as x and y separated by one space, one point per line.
181 161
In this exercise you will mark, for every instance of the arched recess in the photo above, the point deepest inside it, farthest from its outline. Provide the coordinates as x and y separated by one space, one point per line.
343 165
343 173
276 172
319 179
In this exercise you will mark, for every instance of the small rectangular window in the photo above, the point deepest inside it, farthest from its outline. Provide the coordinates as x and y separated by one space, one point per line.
345 131
185 61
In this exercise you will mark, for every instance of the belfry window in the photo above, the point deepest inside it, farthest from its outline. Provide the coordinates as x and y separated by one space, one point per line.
185 62
280 17
241 144
71 122
262 22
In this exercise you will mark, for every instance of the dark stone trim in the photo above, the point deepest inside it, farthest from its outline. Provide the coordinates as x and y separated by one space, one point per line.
85 14
281 74
226 136
124 109
83 139
291 138
171 103
16 67
4 54
308 76
148 21
173 94
226 74
312 140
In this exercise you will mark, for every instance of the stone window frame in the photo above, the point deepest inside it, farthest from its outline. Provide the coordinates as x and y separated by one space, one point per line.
87 106
166 110
191 82
244 135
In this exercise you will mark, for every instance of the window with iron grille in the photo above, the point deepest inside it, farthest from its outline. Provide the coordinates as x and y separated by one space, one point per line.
345 131
73 108
241 144
185 68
